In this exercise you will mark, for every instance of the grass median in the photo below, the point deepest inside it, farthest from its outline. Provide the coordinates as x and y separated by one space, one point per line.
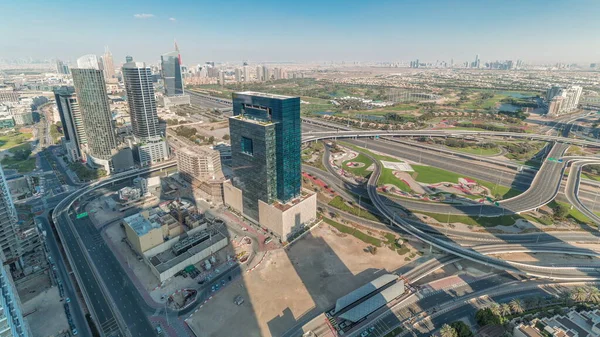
359 171
339 203
354 232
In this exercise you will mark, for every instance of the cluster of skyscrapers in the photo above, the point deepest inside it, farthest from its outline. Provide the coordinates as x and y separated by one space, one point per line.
85 113
563 100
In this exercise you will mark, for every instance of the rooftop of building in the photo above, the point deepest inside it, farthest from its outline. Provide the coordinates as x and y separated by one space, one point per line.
262 94
167 259
140 225
529 331
134 65
295 201
196 150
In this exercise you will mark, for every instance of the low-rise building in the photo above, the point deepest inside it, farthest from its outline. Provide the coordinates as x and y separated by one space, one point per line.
283 220
201 167
171 101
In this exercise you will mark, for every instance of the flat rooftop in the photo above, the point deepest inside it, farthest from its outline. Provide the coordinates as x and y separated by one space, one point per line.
262 94
167 259
140 225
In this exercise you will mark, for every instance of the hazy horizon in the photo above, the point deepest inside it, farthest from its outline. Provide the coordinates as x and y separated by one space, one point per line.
268 31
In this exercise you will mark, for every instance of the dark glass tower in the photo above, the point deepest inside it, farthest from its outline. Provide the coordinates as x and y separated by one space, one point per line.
265 148
171 74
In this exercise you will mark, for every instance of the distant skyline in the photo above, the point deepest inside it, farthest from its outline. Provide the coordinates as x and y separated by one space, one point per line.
536 31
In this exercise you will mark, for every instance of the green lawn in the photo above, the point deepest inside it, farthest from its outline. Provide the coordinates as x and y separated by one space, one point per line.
477 103
339 203
507 220
23 166
13 139
590 176
360 171
573 214
354 232
433 175
387 177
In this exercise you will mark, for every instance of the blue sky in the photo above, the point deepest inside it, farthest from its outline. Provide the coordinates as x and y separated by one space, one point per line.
309 30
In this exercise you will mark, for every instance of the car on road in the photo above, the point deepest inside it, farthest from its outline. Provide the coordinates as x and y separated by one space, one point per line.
159 330
238 300
68 300
74 331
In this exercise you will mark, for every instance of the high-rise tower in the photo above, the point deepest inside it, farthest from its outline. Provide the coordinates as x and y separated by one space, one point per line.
95 109
142 109
265 147
265 156
171 73
108 65
9 241
72 121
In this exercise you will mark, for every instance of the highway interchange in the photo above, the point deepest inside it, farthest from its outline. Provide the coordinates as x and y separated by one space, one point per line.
109 302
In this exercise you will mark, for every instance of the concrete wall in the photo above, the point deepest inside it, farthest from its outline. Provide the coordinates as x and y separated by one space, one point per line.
271 218
233 196
145 242
283 223
192 260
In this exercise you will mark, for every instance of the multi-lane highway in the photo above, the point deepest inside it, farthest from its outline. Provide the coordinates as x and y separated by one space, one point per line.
62 271
572 188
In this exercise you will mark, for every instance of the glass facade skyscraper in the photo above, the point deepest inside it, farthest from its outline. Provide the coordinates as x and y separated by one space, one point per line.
72 121
171 74
95 108
265 148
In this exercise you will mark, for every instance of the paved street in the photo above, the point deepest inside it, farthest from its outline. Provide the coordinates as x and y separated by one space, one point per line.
69 290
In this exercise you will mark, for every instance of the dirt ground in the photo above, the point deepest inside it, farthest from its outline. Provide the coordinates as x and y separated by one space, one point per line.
48 317
32 286
293 284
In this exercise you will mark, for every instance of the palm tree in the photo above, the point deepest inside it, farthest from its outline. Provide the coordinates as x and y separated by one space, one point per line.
448 331
593 295
579 294
495 308
516 306
505 309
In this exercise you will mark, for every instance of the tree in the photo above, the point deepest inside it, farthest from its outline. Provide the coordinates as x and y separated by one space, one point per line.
579 294
593 295
447 331
226 136
560 211
495 308
505 309
516 306
462 329
211 139
487 317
